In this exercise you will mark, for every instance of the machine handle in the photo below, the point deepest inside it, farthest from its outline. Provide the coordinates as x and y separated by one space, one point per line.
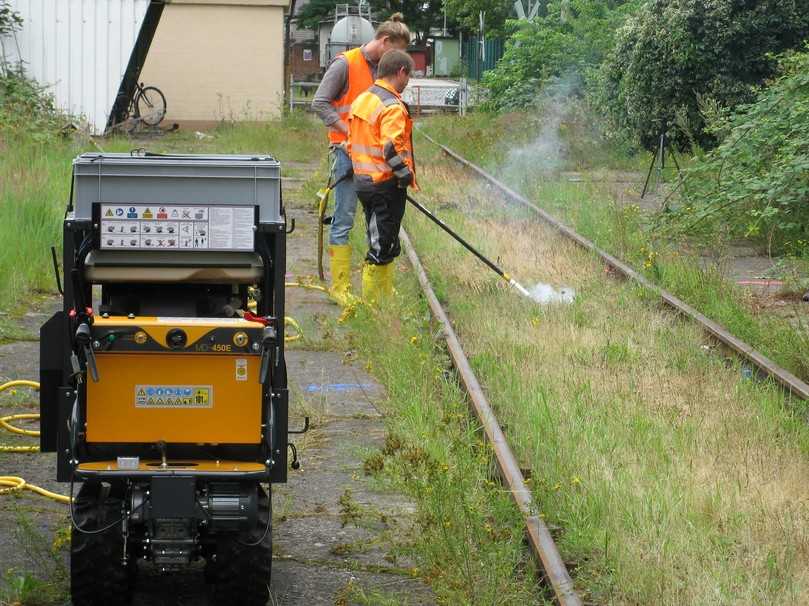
268 339
83 339
90 356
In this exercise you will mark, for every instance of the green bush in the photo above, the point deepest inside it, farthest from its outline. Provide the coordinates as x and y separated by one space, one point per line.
26 109
756 182
674 55
567 43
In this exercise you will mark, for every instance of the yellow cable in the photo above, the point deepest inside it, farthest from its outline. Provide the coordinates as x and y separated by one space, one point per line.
290 321
307 285
7 448
19 383
4 423
16 484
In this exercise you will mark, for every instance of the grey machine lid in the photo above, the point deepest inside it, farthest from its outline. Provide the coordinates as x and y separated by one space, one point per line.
190 179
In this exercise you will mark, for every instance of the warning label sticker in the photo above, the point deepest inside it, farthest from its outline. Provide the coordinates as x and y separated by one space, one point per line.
241 369
177 227
173 396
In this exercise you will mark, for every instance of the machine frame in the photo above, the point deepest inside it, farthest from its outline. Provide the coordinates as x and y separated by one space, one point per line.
177 502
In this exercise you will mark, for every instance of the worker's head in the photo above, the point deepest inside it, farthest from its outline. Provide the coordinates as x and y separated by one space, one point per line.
395 67
392 34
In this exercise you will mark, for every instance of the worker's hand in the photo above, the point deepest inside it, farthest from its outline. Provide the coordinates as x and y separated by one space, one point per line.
340 127
405 182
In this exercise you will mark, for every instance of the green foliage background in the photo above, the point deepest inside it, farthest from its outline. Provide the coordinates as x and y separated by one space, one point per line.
569 42
674 55
420 16
755 183
467 14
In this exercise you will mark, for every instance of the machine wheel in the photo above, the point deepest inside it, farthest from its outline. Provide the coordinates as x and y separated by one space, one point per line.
243 571
97 574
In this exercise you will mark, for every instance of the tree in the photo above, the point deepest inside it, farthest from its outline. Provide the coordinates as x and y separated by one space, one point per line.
315 11
467 14
755 183
567 43
419 15
674 56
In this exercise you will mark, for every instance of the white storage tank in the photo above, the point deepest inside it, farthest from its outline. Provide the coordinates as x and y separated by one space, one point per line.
352 28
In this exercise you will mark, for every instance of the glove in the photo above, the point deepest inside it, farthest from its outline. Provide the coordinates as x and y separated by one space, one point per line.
405 182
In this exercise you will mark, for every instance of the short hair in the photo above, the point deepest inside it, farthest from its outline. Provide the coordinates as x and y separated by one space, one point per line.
395 29
392 61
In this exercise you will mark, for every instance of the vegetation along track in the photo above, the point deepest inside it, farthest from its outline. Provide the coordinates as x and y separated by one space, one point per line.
665 474
539 537
765 366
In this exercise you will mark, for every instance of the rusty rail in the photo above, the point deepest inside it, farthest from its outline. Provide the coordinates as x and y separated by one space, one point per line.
539 537
783 377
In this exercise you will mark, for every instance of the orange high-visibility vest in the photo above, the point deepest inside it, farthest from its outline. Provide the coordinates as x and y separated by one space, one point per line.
360 78
381 139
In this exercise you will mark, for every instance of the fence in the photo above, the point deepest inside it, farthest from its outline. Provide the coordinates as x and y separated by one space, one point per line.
423 95
475 66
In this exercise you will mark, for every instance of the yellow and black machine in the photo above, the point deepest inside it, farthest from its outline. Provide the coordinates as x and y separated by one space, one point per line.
163 379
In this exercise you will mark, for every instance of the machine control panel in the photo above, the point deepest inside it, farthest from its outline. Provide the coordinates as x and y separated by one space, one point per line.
175 227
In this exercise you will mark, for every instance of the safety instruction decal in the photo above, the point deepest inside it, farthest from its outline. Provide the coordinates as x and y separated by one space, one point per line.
144 227
173 396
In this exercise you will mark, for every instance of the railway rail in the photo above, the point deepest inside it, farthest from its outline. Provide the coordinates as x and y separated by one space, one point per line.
539 537
768 368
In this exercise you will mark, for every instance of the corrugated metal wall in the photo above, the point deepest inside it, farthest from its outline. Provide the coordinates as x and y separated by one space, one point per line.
475 68
79 49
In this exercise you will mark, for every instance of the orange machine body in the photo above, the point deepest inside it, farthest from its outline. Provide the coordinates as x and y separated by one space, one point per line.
205 392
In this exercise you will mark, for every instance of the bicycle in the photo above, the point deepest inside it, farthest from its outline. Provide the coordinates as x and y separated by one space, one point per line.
147 105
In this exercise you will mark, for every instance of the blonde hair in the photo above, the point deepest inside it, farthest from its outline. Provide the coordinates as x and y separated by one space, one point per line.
392 61
395 29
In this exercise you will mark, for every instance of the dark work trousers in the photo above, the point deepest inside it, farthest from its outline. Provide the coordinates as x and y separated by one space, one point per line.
384 208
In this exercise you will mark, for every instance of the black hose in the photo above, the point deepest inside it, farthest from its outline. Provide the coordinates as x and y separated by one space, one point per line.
458 238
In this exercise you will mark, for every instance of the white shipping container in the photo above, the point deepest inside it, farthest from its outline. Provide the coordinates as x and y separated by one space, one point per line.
78 49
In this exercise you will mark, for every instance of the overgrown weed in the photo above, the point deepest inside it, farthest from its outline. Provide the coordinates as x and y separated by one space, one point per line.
650 454
49 584
468 536
621 228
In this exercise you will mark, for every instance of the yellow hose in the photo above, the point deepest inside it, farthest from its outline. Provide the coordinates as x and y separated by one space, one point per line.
290 321
19 383
4 423
307 285
15 483
7 448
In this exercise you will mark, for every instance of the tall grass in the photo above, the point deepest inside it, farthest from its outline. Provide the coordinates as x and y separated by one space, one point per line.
468 536
34 186
623 229
674 478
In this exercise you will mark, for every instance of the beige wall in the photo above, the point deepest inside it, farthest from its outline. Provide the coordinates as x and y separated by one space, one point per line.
219 60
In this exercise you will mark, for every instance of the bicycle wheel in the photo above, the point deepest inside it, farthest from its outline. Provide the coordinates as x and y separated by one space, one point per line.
151 105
